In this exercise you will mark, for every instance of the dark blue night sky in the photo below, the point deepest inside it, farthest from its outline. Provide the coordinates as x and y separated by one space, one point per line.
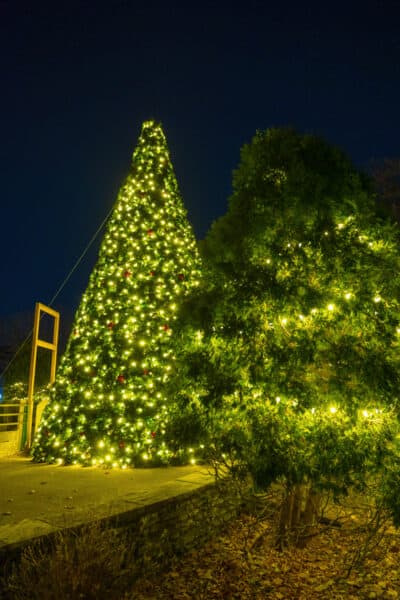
78 79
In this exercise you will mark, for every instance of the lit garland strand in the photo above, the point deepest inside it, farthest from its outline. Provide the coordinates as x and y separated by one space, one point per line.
108 406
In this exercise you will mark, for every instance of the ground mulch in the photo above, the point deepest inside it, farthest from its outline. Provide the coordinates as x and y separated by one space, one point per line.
244 563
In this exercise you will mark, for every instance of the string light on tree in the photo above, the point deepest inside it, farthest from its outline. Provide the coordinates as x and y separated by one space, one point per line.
298 367
110 384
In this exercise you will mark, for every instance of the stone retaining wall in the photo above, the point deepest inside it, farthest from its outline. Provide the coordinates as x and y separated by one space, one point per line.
169 528
157 533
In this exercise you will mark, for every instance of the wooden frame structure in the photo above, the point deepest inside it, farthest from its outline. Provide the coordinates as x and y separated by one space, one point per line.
36 343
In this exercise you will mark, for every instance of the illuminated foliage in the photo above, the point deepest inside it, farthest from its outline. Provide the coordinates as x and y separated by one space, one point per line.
108 404
293 338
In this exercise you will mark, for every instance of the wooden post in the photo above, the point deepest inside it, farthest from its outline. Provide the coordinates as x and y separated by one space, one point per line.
52 346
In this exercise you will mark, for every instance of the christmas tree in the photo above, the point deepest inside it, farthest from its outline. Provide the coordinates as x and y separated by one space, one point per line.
108 404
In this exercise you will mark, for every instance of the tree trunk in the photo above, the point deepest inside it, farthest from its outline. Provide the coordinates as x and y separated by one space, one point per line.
309 518
298 516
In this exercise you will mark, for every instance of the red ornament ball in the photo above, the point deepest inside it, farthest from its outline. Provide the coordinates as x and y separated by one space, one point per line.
146 372
181 277
166 327
111 325
152 273
127 274
153 434
121 444
121 379
150 232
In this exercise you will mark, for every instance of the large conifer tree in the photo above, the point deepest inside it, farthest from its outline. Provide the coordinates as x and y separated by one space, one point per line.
108 404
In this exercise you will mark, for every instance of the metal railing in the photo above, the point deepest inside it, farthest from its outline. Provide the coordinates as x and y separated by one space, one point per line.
10 416
13 421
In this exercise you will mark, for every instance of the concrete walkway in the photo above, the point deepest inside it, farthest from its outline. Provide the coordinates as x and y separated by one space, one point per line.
38 499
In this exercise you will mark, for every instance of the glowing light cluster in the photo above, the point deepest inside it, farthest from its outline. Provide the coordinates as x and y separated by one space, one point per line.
108 405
